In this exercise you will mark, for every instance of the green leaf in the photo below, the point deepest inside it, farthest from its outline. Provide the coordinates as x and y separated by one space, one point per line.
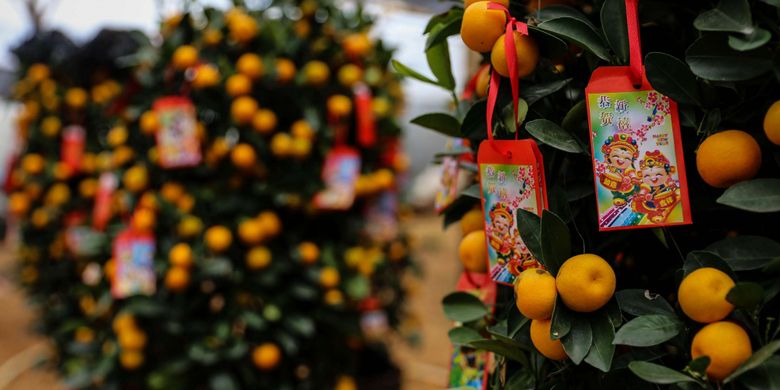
404 70
551 12
508 115
729 15
562 320
472 191
698 367
508 350
300 324
658 374
474 124
711 58
615 28
746 295
555 240
648 330
581 33
710 121
602 350
700 259
672 78
765 376
640 302
577 342
439 62
530 229
755 360
744 253
463 335
523 378
448 26
223 381
575 118
357 287
776 3
536 92
440 122
757 195
549 133
550 46
757 38
463 307
613 312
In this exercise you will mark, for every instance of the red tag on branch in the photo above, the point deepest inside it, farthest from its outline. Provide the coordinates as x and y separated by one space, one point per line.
101 213
134 257
177 139
364 116
339 173
73 145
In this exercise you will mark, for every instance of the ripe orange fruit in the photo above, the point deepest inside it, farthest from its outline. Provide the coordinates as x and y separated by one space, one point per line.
243 156
381 107
772 123
123 322
726 344
132 339
540 337
264 121
329 277
727 158
57 195
131 360
309 252
212 37
702 295
250 65
467 3
473 252
346 383
144 220
33 163
483 80
243 109
481 26
149 122
316 73
349 75
302 129
39 218
177 279
356 45
251 232
333 297
585 282
180 255
383 179
339 106
117 136
271 224
88 187
281 145
242 27
527 55
472 221
84 335
535 293
218 238
172 191
136 179
301 148
38 72
238 84
206 76
189 227
76 97
50 126
184 57
285 70
266 356
258 258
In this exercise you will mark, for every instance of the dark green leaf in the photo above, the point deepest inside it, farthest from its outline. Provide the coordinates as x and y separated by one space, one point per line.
555 240
523 378
613 312
561 320
614 26
404 70
729 15
217 267
300 324
447 27
757 195
700 259
440 122
640 302
530 229
711 58
536 92
648 330
658 374
746 295
463 335
439 62
772 267
550 46
577 342
551 12
744 253
551 134
672 78
776 3
710 121
503 348
602 350
575 118
757 38
698 366
474 125
581 33
755 360
463 307
765 376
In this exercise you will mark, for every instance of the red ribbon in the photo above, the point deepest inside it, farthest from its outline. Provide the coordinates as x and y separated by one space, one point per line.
511 61
634 44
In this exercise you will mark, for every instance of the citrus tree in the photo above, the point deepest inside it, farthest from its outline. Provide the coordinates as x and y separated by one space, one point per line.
179 227
686 307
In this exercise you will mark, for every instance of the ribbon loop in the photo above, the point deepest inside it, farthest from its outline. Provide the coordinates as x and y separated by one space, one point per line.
634 44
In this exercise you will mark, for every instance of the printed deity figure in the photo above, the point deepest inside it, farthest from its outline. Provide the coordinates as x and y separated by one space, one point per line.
620 153
658 193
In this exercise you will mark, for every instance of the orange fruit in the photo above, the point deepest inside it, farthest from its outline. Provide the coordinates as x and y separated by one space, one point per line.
184 56
467 3
242 28
88 187
144 219
189 227
131 360
33 164
243 156
84 335
483 80
473 252
243 109
333 297
527 55
329 277
339 106
543 342
123 322
356 45
264 121
472 221
302 129
266 356
309 252
349 75
206 76
270 222
238 84
186 203
346 383
251 232
172 191
212 37
180 255
727 158
585 282
772 123
39 218
258 258
177 279
250 65
57 195
301 148
726 344
302 28
218 238
136 179
381 107
38 72
481 26
76 97
149 122
50 126
281 145
117 136
285 70
148 200
316 73
702 295
535 293
109 268
132 339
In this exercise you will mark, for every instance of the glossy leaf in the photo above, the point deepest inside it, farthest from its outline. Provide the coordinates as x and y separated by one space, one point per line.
658 374
440 122
536 92
439 62
472 191
602 350
549 133
648 330
757 38
744 253
581 33
746 295
463 335
555 241
699 259
577 343
755 360
729 15
561 320
711 58
463 307
530 229
503 348
672 78
757 195
640 302
444 27
404 70
765 376
613 23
